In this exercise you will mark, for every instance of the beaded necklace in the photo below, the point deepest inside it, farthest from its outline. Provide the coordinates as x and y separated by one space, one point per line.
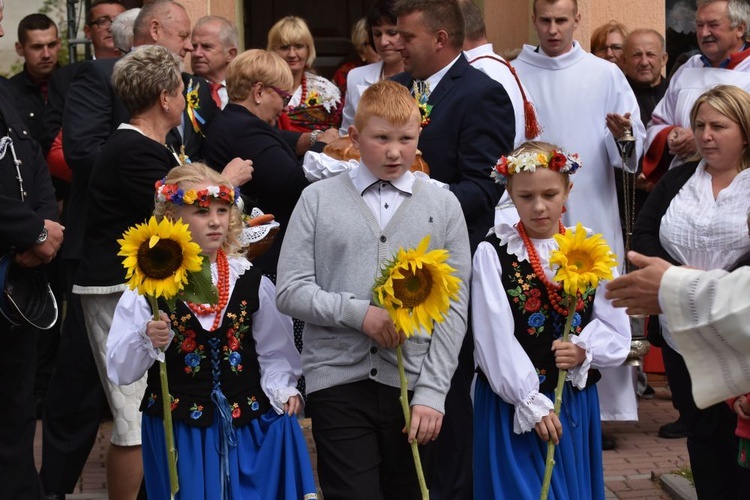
222 267
303 96
553 289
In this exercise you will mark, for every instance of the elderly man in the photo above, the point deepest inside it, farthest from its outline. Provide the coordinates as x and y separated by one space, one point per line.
469 126
215 43
722 33
584 104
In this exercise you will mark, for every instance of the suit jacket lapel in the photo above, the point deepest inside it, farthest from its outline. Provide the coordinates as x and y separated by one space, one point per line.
447 82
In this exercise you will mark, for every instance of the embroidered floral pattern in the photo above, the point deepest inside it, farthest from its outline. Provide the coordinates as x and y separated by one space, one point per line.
253 404
527 298
187 343
196 411
236 411
235 334
153 397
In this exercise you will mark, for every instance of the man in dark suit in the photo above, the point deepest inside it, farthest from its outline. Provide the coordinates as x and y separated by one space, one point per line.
470 125
28 229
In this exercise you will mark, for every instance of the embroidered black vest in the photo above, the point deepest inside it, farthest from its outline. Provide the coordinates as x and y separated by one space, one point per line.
536 321
198 360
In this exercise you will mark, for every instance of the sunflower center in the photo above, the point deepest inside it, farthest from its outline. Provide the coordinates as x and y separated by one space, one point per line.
414 288
161 261
581 259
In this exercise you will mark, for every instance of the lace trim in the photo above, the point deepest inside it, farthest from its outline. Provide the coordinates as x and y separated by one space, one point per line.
237 267
319 166
280 395
531 411
580 374
508 235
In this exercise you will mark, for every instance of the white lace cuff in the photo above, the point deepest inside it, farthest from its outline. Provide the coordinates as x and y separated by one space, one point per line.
530 411
580 374
319 166
144 344
280 396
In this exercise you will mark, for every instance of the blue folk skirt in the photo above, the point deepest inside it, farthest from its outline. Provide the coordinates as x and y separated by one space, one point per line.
269 461
511 466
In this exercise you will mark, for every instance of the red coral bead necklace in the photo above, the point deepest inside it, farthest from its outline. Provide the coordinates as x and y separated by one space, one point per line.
222 267
553 289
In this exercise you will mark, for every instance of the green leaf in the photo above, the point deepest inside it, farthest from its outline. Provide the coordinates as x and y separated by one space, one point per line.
515 292
200 289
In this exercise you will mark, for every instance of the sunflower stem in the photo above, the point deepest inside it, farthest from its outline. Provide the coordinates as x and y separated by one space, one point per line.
572 300
407 418
166 404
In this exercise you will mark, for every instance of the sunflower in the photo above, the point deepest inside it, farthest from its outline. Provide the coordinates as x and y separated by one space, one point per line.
581 261
416 288
158 257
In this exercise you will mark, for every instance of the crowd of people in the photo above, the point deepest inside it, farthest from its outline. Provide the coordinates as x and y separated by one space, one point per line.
93 148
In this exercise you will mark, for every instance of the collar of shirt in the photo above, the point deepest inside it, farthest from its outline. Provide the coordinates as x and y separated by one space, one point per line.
434 80
730 62
363 179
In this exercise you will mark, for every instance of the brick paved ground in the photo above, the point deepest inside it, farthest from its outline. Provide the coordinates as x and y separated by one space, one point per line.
630 471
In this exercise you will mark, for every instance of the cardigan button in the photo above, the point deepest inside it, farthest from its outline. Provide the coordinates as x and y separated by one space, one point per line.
374 372
383 239
373 350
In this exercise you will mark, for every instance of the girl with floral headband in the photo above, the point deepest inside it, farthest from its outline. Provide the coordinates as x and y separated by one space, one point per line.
232 367
518 317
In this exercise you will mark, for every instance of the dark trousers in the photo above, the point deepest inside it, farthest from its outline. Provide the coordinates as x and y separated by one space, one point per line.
362 452
453 472
18 477
49 340
711 442
74 406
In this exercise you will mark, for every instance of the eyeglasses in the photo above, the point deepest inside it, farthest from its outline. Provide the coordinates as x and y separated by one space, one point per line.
285 96
616 47
102 23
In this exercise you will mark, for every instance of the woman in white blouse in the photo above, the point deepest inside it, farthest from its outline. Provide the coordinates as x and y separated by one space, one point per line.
381 24
697 216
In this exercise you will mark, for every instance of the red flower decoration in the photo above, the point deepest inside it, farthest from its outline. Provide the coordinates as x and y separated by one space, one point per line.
502 166
534 292
188 345
532 304
236 412
557 162
190 333
580 304
233 343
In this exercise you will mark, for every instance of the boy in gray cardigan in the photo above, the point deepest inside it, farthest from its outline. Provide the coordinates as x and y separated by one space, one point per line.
341 233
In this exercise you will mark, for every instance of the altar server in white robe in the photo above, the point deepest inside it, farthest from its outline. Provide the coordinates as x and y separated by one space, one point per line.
722 28
584 103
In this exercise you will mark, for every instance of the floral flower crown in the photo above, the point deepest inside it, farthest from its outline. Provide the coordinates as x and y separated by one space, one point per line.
178 196
559 161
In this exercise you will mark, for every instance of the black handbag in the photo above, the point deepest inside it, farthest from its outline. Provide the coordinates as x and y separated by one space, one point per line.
26 297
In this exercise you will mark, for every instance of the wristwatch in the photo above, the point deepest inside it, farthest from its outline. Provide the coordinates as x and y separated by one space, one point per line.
42 236
314 136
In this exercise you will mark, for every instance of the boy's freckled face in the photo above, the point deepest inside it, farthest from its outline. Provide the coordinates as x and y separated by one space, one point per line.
388 150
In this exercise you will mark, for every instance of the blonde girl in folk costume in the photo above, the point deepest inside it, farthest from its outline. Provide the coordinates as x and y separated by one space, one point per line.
518 321
232 367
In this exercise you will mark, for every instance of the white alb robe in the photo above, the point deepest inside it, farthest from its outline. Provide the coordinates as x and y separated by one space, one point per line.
709 316
573 93
690 81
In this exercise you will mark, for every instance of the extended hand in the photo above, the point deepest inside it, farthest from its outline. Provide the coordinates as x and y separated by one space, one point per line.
425 424
618 123
238 171
379 327
44 253
681 142
159 331
293 405
549 428
638 291
567 354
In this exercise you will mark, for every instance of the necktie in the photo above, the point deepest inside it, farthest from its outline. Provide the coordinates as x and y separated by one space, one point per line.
420 88
214 87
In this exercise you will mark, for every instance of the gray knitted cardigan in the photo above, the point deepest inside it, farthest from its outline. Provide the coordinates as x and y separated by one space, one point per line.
331 255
